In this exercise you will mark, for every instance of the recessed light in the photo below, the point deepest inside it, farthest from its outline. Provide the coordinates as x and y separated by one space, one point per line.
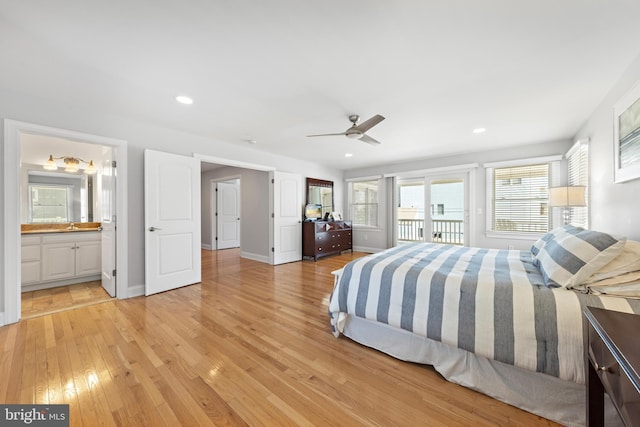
348 155
479 130
184 100
252 141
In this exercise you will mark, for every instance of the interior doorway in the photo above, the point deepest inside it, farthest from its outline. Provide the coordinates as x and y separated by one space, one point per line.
225 213
115 248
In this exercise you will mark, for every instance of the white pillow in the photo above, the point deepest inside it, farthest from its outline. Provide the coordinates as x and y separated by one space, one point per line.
626 262
571 259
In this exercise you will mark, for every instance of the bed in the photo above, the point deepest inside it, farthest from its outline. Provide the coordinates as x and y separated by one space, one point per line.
504 322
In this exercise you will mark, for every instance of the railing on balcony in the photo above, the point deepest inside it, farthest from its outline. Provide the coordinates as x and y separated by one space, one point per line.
450 231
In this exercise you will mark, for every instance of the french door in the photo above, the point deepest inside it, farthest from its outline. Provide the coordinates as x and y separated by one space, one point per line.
433 208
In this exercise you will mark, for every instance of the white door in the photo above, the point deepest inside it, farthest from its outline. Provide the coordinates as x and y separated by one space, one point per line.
287 217
228 214
172 221
108 220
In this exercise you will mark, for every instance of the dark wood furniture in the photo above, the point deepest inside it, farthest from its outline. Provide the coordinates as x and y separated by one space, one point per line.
322 238
612 363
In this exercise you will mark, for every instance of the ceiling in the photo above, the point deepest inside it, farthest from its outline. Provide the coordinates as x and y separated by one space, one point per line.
276 71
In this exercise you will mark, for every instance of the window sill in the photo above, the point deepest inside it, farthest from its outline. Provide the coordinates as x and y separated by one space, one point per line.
513 236
365 228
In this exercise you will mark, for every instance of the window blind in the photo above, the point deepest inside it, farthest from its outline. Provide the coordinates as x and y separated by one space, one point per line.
364 203
520 198
578 174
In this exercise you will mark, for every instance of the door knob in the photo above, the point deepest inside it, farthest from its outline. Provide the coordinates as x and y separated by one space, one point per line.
152 229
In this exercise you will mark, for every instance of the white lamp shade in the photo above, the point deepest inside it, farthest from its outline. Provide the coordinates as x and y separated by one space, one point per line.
567 196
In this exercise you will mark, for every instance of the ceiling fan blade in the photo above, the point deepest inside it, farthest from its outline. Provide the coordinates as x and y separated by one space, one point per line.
366 125
369 140
328 134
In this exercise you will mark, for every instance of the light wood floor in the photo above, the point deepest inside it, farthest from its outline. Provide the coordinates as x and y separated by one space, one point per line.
53 300
250 345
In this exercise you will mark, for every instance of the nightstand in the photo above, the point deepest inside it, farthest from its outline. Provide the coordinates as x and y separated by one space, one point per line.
612 363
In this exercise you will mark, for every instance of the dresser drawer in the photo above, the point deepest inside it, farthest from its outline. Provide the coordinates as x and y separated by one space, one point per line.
323 238
612 364
603 361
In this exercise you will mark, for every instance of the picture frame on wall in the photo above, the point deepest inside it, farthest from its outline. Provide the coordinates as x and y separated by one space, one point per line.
627 137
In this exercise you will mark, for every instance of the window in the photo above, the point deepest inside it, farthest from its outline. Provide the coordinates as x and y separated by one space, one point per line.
364 203
518 195
440 209
578 174
49 203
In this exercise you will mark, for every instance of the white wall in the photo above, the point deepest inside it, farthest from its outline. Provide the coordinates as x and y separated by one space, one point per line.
139 135
378 239
615 208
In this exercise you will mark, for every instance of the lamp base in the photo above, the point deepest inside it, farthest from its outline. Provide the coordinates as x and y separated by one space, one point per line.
566 215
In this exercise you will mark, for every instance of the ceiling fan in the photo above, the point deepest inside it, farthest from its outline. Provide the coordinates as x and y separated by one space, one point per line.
357 131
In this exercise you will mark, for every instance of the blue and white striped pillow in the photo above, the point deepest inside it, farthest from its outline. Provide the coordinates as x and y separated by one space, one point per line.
569 259
552 235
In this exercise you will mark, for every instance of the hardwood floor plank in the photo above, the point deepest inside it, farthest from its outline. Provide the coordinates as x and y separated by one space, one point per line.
250 345
52 300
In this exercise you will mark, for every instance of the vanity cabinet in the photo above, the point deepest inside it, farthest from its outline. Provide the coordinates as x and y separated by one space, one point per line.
61 257
322 238
30 256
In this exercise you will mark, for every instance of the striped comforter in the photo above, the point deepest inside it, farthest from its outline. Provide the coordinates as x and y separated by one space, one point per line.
487 301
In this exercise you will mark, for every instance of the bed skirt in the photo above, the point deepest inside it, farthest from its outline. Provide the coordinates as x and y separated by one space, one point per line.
541 394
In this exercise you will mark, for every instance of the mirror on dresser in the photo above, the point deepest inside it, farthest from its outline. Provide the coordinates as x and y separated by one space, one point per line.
320 191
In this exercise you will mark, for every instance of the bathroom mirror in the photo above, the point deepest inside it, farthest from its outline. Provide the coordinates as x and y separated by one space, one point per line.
320 191
53 197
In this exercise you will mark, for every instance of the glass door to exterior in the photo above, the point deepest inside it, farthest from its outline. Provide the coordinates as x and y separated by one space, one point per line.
447 211
435 215
410 210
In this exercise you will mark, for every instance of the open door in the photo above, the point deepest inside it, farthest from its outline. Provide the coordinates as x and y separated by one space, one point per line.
172 221
108 220
287 217
228 214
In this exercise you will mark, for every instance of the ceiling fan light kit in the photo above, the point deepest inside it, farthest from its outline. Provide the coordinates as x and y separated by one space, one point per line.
358 131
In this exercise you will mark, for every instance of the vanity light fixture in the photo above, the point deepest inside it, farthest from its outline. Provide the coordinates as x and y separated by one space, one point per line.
71 164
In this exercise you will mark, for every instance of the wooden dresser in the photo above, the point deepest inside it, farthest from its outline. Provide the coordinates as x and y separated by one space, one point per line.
322 238
612 359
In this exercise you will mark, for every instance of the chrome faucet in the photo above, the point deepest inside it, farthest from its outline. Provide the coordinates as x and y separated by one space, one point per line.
72 226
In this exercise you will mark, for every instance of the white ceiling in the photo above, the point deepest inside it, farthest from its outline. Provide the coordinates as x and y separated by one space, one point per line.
276 71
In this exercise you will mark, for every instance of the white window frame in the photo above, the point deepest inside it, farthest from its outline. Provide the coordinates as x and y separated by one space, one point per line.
554 179
69 205
350 184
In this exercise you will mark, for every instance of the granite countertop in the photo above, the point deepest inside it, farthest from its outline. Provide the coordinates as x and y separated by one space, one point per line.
78 227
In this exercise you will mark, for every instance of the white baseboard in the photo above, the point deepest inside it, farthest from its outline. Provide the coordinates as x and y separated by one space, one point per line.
207 247
2 318
366 249
135 291
255 257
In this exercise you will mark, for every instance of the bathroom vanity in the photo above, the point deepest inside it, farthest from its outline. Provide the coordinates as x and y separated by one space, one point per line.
60 254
